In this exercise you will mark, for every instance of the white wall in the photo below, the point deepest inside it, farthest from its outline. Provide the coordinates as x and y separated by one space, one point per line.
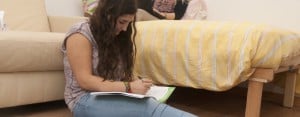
64 7
282 13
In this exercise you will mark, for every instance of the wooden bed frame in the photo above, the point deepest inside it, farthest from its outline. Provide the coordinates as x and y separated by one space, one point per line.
255 88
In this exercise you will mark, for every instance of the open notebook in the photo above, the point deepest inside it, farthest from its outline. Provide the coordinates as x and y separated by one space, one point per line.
160 93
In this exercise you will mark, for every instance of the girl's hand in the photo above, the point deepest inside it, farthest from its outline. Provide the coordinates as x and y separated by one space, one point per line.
160 13
140 86
155 10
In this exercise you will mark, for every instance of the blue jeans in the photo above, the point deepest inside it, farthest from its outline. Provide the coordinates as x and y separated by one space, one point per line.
122 106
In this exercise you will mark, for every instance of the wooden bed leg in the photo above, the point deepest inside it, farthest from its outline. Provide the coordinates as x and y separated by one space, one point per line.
255 89
289 91
254 98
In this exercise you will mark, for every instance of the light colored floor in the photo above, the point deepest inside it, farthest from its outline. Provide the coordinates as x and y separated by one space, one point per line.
203 103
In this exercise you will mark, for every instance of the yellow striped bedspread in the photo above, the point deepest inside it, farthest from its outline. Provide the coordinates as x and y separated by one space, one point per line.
209 55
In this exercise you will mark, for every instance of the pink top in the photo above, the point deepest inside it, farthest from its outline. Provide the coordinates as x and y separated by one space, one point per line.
165 5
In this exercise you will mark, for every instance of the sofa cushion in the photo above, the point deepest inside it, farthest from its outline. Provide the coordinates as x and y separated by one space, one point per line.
26 15
62 24
22 88
39 51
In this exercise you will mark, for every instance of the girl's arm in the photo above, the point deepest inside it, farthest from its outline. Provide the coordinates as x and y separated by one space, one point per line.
168 16
79 53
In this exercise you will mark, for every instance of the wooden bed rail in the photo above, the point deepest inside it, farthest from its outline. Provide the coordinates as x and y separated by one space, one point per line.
255 88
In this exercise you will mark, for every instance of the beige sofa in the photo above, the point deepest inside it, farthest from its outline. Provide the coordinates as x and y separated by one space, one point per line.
31 69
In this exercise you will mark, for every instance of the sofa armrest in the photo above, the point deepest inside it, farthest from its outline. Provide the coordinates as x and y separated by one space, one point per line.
63 23
30 51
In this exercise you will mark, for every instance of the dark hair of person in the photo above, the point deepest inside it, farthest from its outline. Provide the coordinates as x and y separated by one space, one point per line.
113 48
180 8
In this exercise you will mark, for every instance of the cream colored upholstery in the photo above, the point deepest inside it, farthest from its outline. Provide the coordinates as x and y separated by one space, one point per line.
22 88
25 15
39 51
31 68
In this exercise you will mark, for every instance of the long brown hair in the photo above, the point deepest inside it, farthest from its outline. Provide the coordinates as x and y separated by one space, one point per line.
113 48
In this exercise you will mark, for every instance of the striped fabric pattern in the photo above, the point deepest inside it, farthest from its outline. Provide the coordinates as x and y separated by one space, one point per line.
208 54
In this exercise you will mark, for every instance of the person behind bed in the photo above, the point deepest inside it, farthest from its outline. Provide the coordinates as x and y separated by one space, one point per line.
162 9
99 56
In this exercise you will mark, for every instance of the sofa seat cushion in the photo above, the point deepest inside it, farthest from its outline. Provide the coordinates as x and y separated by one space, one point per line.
39 51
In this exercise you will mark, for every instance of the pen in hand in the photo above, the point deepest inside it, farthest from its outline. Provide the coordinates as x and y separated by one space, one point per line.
141 78
145 80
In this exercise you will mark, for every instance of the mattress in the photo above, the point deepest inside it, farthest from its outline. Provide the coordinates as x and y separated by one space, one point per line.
211 55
